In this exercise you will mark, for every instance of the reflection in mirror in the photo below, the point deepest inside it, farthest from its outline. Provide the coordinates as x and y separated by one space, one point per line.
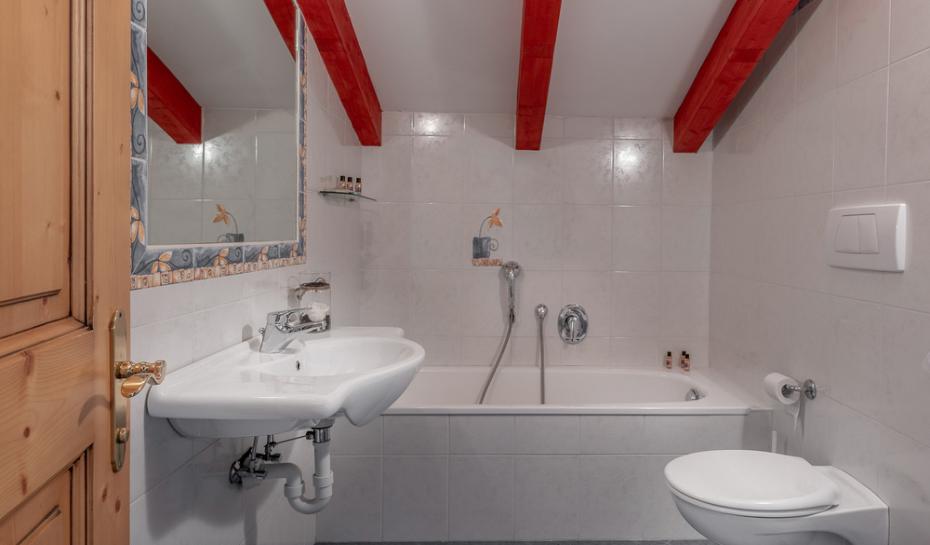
223 158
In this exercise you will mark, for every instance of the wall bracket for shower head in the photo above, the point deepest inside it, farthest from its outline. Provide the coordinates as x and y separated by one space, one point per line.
511 270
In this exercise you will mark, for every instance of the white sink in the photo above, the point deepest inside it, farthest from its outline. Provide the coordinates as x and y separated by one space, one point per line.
240 392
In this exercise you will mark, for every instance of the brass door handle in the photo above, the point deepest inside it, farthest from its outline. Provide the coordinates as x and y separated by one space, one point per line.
135 375
127 379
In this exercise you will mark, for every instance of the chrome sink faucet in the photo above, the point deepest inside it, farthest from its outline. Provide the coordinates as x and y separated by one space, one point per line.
284 326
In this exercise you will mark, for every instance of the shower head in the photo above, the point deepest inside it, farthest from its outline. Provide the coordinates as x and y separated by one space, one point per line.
510 271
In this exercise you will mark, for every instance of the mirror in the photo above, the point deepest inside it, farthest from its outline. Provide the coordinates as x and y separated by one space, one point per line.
226 64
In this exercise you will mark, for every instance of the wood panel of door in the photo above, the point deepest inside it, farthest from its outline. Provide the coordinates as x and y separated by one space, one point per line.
64 261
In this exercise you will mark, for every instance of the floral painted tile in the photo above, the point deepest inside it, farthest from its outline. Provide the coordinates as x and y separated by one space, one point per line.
138 10
138 90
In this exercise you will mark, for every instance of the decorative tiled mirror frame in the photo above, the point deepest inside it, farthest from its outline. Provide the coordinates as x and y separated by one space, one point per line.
162 265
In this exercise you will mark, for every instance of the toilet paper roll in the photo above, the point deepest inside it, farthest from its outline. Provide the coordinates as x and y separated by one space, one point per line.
773 387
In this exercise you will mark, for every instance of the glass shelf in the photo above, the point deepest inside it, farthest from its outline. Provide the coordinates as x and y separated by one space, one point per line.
343 194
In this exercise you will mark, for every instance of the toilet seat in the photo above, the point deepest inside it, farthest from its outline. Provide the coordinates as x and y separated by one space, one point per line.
751 483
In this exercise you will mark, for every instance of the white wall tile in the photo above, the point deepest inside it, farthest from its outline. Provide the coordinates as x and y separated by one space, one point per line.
860 132
482 434
815 144
416 434
686 177
354 513
481 499
155 305
490 168
862 37
611 434
817 48
387 169
856 371
385 298
538 236
486 313
906 369
908 120
637 128
635 352
585 171
904 484
635 302
608 484
435 236
586 238
637 171
908 21
537 434
636 238
553 126
397 123
546 489
440 349
438 168
537 176
685 238
386 235
435 302
481 351
525 350
912 289
684 434
415 498
438 124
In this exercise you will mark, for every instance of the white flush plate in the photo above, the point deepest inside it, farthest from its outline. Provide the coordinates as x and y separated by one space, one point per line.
871 238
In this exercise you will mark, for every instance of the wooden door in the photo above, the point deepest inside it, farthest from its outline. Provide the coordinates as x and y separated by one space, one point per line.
64 260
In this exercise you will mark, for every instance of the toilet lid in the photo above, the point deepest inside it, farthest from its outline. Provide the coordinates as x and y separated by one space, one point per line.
747 480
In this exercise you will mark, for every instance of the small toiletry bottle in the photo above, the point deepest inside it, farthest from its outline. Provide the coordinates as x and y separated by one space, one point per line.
342 183
350 185
358 184
685 361
668 360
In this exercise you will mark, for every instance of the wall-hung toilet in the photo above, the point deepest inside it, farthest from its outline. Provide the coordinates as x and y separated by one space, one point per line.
743 497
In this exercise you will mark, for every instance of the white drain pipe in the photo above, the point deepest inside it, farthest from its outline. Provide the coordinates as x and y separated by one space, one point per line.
294 486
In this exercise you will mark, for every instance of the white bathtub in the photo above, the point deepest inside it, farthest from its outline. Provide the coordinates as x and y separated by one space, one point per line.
569 390
588 466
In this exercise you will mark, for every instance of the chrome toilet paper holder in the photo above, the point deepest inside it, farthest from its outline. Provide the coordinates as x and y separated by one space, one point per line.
809 389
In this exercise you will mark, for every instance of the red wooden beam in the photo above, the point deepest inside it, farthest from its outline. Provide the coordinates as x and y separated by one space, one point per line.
537 45
171 105
746 35
332 30
284 15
